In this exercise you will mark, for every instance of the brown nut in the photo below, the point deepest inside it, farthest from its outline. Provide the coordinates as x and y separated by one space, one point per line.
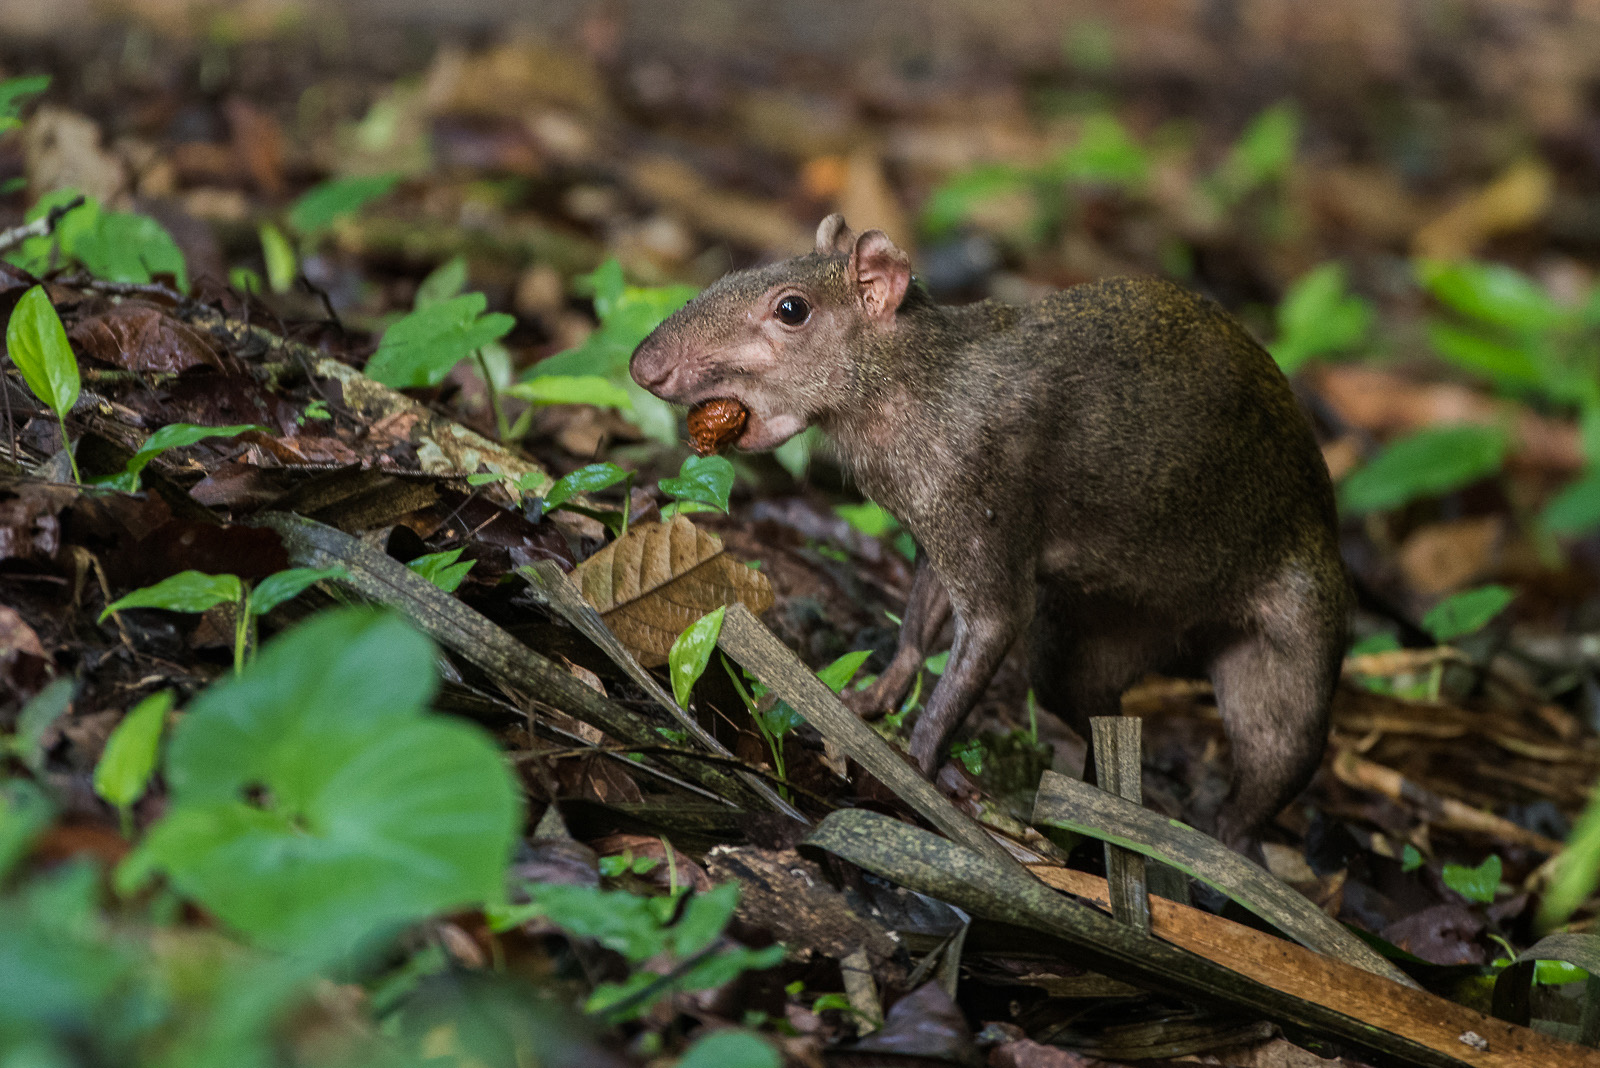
716 424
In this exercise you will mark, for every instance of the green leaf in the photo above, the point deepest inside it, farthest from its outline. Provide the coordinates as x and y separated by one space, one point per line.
704 918
1466 612
114 246
1382 642
36 717
130 755
1491 293
590 479
1577 870
1507 366
1576 509
958 198
1475 884
869 517
1411 858
1104 154
37 344
442 570
324 204
25 812
627 314
842 670
187 591
571 389
285 585
704 479
621 922
283 266
1557 973
691 652
178 436
1428 463
443 283
730 1048
1319 318
1262 155
421 348
13 92
314 803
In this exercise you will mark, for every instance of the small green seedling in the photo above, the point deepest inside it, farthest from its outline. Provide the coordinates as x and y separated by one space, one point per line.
1475 884
1428 463
1411 858
703 484
37 344
586 480
775 719
627 314
196 591
323 205
442 569
37 717
1459 615
129 759
971 753
112 245
172 436
14 92
625 863
642 930
283 266
1318 317
422 347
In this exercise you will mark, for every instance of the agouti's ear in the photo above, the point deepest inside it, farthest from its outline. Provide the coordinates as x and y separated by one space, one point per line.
880 273
834 236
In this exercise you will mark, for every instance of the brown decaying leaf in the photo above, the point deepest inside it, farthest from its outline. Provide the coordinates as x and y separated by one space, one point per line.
141 337
661 577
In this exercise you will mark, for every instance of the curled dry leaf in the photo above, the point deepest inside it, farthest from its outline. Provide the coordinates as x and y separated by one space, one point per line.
661 577
137 336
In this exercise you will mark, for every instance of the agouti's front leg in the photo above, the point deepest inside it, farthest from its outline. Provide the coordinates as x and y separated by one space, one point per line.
927 609
985 628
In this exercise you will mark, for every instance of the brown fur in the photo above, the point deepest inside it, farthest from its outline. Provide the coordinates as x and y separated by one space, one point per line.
1118 470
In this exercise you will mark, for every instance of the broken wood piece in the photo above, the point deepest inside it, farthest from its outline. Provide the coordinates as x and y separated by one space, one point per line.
1513 986
1222 964
1117 769
759 651
1079 807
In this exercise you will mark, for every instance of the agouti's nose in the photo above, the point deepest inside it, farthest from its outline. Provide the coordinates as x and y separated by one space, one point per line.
652 364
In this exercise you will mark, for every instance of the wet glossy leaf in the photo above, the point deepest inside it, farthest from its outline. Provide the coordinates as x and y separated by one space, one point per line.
702 479
689 655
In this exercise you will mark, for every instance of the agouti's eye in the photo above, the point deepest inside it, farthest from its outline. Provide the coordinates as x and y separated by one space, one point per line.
793 310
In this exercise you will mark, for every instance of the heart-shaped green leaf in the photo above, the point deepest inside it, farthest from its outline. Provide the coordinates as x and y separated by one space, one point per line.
314 803
703 480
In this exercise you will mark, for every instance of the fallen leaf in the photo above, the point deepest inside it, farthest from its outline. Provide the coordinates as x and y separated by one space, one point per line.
1443 557
1514 201
661 577
137 336
61 149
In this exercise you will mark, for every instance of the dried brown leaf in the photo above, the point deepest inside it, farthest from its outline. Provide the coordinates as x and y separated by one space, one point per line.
651 584
137 336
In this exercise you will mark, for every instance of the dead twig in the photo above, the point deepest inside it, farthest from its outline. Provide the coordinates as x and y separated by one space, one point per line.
41 227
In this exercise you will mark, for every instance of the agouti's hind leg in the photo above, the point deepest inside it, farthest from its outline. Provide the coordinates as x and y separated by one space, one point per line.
1273 690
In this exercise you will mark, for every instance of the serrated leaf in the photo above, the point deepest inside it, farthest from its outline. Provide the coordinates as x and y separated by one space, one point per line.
37 344
421 348
651 584
187 591
1428 463
1466 612
285 585
130 756
691 652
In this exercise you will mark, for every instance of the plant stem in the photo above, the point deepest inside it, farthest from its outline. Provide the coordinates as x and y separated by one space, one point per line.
66 443
241 633
501 426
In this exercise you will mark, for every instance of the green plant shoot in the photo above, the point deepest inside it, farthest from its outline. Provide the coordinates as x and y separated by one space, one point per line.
442 569
129 759
37 343
703 482
171 436
1475 884
421 348
691 652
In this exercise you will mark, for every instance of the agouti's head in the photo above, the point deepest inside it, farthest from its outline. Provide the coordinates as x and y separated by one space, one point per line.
786 340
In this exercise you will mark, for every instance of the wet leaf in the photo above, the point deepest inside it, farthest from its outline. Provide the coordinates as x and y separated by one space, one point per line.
691 652
702 480
661 577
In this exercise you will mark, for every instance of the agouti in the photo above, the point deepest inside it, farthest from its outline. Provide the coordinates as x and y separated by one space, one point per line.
1118 470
